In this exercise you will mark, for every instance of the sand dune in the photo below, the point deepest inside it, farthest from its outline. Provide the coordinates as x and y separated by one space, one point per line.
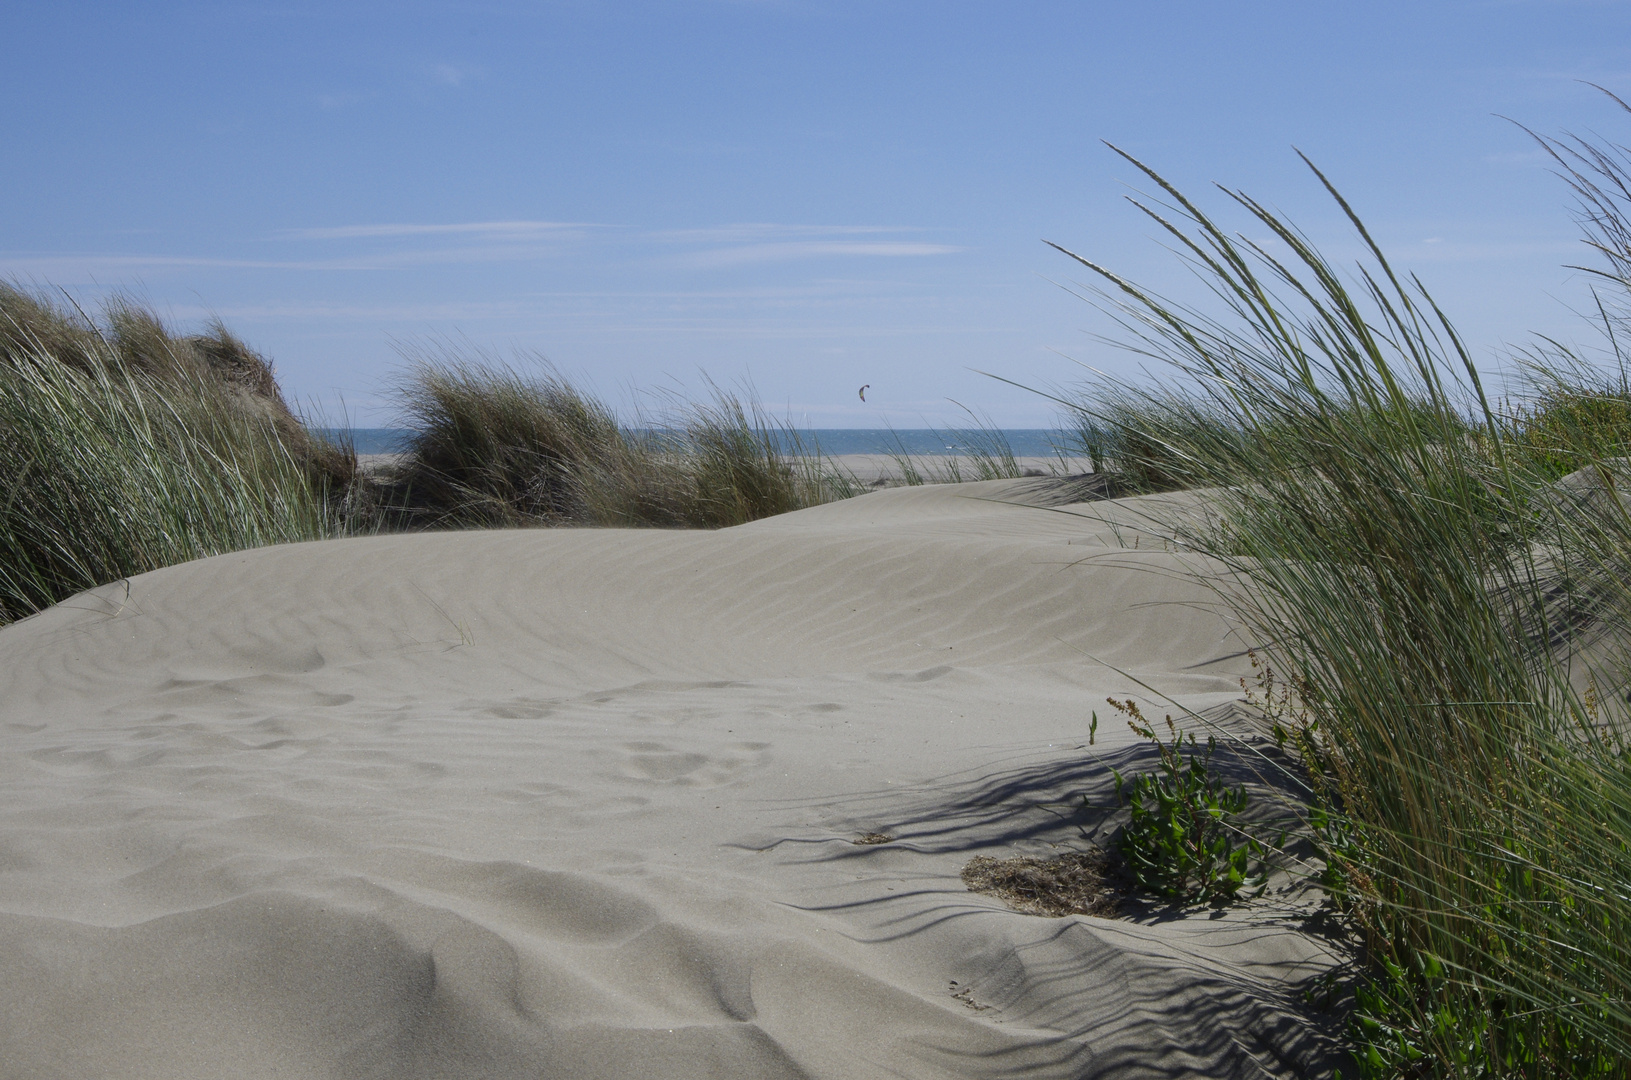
581 803
884 470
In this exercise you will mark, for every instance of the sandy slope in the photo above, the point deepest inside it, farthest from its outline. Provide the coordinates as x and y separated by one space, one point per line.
882 470
579 803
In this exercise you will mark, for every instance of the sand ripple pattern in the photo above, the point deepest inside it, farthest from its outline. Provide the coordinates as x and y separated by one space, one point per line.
579 804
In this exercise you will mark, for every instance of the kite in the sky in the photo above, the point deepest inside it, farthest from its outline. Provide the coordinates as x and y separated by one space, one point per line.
864 389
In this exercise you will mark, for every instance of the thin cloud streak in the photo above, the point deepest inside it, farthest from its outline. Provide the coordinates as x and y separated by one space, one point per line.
94 263
501 241
749 232
815 249
362 313
101 264
647 306
736 328
498 229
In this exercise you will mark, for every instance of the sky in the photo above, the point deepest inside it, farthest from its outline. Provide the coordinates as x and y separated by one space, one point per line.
801 196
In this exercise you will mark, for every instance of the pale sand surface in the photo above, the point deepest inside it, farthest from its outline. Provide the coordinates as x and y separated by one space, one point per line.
880 469
579 803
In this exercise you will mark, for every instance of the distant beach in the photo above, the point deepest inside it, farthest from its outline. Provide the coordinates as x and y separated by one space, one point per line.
833 442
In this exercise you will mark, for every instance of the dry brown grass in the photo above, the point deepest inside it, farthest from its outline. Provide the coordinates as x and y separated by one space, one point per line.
1076 883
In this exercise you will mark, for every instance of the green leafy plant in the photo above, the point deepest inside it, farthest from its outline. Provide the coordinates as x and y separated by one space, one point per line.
1415 1019
1185 839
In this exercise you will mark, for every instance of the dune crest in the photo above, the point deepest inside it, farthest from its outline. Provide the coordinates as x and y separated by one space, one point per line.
583 803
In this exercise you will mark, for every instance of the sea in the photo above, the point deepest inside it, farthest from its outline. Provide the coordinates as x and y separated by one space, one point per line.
915 442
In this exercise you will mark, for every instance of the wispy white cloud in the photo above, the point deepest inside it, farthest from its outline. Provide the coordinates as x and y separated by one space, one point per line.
56 266
405 245
780 331
628 315
449 256
748 232
761 242
82 266
620 306
369 314
815 249
1437 249
497 230
819 289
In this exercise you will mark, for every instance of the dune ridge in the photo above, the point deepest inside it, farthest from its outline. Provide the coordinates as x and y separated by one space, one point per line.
581 803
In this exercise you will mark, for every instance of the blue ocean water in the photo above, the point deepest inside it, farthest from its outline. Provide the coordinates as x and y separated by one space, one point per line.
931 442
918 442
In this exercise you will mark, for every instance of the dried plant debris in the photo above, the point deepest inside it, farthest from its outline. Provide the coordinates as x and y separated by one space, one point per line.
873 838
1076 883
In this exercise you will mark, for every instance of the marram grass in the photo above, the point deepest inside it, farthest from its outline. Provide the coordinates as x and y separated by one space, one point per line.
1455 625
125 447
493 446
107 472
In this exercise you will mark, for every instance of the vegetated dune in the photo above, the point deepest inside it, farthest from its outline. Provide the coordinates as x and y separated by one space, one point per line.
582 803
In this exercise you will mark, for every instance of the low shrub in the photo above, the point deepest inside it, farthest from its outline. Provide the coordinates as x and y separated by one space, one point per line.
1186 838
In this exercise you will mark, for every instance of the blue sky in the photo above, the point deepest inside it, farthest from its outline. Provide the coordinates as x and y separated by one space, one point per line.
813 194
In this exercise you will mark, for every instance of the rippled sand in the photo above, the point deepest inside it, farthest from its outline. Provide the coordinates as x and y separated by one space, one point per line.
580 803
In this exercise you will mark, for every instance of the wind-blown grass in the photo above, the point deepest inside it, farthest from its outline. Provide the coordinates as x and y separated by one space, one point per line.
107 472
1454 623
131 341
491 446
1568 427
125 447
1117 434
984 454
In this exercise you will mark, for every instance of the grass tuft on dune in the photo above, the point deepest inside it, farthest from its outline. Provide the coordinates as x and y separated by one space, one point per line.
128 447
1453 621
124 449
493 447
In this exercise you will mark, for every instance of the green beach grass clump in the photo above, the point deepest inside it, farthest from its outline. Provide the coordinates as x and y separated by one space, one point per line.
1457 635
738 463
491 446
1564 428
1146 446
124 449
130 340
